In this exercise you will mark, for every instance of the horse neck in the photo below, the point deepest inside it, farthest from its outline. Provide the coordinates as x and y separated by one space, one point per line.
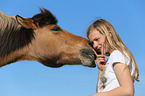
18 55
13 42
10 58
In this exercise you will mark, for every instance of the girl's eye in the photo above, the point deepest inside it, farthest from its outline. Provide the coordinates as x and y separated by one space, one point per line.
96 39
55 28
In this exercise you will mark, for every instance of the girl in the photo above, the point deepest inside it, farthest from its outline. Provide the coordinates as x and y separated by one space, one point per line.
117 74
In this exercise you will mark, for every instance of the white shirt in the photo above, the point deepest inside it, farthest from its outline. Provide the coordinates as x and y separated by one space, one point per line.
108 80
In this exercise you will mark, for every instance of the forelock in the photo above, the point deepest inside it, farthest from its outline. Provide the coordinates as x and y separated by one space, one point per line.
44 18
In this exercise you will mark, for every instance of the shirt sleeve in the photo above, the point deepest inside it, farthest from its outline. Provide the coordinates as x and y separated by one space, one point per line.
118 57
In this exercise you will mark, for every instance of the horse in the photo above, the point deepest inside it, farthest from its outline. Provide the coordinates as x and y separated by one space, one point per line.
39 38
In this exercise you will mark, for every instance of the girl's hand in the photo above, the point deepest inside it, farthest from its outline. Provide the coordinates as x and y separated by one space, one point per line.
100 60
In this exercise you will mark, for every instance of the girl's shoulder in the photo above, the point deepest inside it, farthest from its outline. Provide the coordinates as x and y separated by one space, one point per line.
116 53
117 56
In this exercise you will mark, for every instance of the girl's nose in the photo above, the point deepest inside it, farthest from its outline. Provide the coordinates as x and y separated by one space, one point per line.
95 44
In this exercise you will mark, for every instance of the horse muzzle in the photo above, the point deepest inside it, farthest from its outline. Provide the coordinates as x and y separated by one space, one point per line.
88 57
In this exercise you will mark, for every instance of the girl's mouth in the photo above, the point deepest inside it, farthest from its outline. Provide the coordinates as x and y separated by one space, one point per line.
98 51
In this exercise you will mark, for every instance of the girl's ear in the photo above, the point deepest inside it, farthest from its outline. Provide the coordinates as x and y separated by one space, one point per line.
110 32
26 22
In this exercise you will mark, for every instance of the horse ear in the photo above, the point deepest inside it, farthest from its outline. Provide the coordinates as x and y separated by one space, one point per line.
26 22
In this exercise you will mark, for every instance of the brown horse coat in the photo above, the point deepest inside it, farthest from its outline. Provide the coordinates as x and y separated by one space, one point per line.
40 38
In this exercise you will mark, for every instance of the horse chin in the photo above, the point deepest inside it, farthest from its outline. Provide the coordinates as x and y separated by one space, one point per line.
50 63
53 65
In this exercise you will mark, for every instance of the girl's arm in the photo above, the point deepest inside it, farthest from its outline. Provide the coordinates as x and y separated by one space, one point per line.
126 87
101 62
99 72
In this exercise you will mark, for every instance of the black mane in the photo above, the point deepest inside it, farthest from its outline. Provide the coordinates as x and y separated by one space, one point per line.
12 39
44 18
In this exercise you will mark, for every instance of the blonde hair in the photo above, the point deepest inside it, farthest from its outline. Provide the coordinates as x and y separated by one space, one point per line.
113 40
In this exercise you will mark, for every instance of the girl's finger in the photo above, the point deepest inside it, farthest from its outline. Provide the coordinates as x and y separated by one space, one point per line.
102 60
100 56
95 52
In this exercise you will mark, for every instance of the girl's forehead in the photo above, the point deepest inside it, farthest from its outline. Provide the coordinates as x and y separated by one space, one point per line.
94 34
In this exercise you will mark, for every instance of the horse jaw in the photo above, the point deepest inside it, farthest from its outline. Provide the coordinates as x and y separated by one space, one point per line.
79 59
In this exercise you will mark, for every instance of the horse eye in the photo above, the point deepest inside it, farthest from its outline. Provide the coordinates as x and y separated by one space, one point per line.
55 28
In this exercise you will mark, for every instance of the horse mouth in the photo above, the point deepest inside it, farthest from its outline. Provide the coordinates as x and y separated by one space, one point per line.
88 57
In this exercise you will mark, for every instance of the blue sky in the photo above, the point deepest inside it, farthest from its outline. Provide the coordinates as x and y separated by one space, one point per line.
30 78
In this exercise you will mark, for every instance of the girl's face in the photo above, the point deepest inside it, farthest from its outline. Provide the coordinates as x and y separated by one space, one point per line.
96 39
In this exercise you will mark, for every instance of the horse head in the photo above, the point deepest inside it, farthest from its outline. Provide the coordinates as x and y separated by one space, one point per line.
42 40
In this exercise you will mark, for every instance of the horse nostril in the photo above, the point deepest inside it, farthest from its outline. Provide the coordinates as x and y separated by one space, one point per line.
87 51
